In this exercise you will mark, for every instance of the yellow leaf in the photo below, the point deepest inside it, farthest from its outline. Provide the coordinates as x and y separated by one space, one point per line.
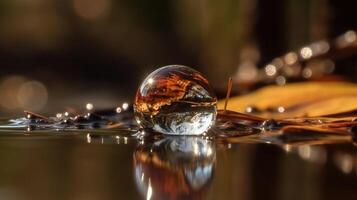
307 99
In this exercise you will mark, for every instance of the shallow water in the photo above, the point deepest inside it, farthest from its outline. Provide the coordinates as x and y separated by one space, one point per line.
109 165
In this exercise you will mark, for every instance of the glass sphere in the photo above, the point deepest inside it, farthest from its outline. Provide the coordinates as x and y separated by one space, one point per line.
175 100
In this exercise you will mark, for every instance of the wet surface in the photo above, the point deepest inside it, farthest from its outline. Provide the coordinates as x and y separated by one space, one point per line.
110 165
105 155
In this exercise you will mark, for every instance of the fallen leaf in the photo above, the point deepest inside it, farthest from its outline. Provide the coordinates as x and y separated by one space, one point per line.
307 99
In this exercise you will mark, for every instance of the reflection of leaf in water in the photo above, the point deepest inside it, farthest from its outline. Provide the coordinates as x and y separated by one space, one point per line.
309 99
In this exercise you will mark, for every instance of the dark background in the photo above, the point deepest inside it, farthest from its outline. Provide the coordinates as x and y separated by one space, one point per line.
78 51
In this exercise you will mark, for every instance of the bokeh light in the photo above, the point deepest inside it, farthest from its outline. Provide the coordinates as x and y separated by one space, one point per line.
32 95
9 89
306 52
270 70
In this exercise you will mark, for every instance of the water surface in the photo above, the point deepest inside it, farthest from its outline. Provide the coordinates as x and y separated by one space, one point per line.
105 165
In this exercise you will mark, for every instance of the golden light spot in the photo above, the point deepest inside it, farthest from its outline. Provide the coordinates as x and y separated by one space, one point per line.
125 106
290 58
306 52
151 81
320 47
247 71
270 70
89 106
281 109
9 88
89 138
350 36
118 110
32 95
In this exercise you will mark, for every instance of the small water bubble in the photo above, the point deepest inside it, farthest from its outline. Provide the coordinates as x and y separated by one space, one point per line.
30 128
67 122
117 138
59 115
118 110
270 124
175 100
89 106
125 106
89 138
281 109
251 109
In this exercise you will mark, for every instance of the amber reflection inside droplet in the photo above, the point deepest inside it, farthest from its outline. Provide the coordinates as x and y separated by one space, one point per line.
175 167
175 100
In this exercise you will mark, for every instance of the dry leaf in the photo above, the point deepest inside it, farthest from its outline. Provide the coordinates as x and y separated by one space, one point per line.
307 99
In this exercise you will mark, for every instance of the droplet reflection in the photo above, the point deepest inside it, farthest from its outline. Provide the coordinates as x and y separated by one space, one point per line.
174 168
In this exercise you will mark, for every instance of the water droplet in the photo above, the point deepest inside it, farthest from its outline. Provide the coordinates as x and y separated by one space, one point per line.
59 115
125 106
252 109
89 106
118 110
269 125
281 109
175 100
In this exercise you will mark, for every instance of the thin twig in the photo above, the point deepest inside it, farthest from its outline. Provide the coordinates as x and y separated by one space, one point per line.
229 88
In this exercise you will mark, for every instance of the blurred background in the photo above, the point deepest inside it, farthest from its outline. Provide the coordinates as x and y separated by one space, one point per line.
56 54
